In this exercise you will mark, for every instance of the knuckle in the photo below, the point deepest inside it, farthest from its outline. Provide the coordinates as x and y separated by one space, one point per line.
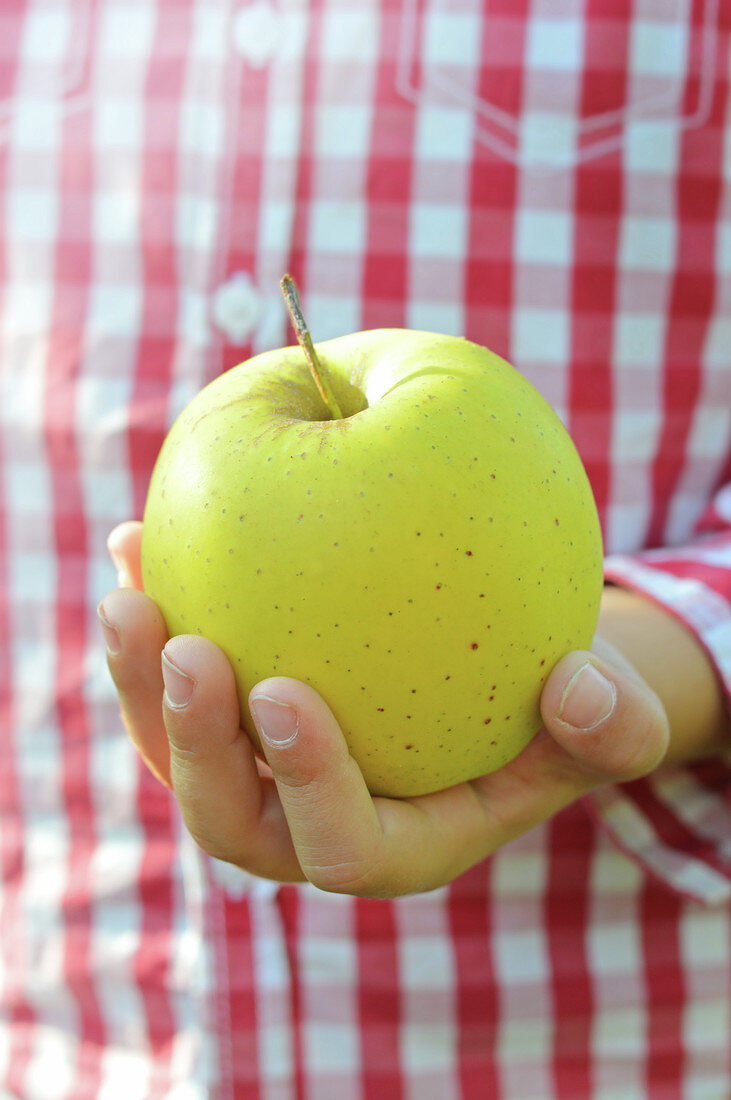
184 756
639 747
134 680
217 845
344 865
124 675
648 744
298 784
303 788
358 877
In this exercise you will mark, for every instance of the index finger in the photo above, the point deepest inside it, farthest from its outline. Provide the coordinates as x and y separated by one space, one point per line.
136 633
346 841
124 545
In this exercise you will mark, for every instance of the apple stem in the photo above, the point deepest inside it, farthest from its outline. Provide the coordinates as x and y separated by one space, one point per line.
294 306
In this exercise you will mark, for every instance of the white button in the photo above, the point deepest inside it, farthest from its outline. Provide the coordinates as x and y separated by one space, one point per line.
237 307
257 32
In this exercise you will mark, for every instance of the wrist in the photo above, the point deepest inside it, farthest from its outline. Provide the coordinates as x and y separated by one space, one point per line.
672 661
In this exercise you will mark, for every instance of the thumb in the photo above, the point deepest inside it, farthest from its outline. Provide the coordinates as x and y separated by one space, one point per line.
604 715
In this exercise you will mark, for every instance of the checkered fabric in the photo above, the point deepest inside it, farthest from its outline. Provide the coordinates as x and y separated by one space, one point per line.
551 178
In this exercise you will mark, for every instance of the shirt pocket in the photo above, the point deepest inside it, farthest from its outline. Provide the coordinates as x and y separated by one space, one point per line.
550 91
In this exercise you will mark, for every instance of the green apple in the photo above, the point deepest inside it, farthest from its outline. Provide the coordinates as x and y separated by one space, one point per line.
422 559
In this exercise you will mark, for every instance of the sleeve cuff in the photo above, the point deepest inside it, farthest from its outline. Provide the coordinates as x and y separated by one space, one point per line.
676 822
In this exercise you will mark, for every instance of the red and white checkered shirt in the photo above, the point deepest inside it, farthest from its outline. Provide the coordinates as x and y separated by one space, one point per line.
550 179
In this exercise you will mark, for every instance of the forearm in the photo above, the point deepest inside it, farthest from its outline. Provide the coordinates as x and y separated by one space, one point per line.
676 667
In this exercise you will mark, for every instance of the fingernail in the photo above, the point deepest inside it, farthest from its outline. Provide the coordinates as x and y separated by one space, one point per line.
178 686
278 723
111 634
589 698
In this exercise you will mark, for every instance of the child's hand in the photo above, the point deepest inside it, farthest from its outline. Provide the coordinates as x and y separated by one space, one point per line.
311 817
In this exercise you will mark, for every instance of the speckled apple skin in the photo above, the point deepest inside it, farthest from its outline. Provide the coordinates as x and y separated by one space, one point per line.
423 563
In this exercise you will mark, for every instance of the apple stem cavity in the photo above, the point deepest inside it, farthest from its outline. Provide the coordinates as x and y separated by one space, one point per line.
294 306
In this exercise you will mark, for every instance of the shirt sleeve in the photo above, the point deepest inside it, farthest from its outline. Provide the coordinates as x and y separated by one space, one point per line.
676 822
